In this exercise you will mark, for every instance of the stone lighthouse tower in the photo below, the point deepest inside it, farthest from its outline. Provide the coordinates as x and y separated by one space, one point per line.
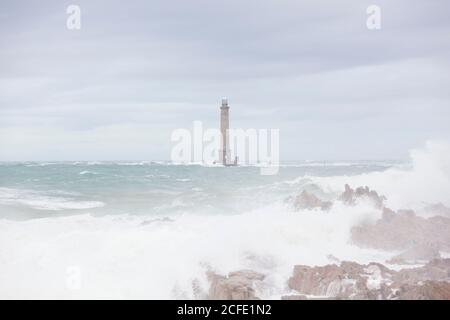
224 152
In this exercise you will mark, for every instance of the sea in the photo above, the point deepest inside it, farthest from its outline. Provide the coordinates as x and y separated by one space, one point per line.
154 229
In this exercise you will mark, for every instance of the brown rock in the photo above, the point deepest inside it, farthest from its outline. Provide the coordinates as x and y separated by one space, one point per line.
351 197
374 281
404 230
436 270
239 285
307 200
429 290
416 254
294 297
349 280
438 209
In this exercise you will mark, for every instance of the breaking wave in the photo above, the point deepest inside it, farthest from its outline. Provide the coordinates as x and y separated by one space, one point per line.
41 201
142 256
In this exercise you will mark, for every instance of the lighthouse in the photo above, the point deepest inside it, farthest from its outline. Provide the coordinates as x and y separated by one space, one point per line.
224 152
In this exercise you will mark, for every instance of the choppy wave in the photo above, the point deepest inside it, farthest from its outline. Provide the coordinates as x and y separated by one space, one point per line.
122 257
87 172
132 256
426 182
41 201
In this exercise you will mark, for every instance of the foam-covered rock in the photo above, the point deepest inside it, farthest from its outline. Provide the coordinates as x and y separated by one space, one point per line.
351 280
418 253
306 200
238 285
351 196
404 230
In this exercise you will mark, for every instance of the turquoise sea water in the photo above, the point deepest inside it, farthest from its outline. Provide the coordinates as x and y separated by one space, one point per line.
154 230
40 189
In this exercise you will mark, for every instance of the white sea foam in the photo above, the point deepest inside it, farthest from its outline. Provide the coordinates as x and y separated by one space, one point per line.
140 163
124 257
426 181
41 164
121 258
41 201
87 172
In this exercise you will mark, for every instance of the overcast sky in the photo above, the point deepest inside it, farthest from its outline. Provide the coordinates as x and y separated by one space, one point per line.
137 70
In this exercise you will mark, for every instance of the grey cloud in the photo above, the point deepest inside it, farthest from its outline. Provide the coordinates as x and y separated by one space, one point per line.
286 64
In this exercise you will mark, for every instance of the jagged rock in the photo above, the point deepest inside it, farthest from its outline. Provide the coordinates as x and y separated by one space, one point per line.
417 254
307 200
403 230
294 297
351 280
303 297
435 270
420 238
332 258
350 196
197 290
438 209
429 290
239 285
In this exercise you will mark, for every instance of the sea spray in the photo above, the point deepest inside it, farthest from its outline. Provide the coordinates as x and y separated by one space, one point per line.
162 228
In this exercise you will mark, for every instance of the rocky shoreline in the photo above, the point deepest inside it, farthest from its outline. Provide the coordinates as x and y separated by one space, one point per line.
420 241
349 280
